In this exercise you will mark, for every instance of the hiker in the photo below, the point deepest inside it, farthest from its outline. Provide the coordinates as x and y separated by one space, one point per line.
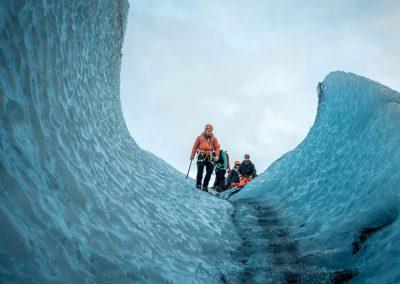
221 166
247 171
233 177
206 145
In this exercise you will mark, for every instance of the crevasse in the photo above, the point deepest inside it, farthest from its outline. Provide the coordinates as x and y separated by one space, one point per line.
80 201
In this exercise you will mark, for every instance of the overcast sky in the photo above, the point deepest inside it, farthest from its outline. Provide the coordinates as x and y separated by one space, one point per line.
250 68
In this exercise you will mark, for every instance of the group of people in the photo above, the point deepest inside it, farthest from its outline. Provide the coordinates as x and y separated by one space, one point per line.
210 156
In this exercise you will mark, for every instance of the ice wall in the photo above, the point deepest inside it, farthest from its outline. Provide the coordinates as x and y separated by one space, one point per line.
79 200
337 195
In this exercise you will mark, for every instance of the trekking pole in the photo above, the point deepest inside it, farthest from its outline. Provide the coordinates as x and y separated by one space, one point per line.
189 169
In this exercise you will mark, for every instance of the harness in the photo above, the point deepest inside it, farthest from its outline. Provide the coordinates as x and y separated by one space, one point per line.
201 155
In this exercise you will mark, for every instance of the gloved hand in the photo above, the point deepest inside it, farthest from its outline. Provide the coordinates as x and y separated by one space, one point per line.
191 158
216 158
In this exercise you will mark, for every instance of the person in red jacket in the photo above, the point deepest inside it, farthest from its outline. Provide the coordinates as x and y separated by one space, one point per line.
207 148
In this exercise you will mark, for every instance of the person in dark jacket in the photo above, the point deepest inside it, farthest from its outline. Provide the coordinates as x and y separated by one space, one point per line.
246 168
233 177
221 166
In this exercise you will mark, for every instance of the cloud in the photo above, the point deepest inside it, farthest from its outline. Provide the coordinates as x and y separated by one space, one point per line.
251 69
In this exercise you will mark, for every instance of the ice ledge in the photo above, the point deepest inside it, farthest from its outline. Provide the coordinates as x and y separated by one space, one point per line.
347 82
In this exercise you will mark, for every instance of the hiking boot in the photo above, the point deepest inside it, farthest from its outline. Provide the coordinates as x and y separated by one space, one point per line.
205 189
198 186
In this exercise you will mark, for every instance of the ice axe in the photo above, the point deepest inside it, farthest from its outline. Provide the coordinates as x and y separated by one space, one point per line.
191 160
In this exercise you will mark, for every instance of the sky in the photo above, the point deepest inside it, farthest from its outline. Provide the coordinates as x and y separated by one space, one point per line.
250 68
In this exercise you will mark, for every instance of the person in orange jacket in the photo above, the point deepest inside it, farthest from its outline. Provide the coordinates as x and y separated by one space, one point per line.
207 147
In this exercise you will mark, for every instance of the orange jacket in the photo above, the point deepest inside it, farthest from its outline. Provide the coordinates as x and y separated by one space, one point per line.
205 145
243 181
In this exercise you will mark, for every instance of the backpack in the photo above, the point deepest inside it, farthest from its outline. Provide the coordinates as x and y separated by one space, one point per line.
222 163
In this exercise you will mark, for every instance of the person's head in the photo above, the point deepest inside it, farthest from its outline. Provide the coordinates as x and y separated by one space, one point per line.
247 157
208 129
237 164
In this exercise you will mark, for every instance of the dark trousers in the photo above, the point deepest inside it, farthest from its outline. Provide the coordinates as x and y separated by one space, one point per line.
200 169
219 183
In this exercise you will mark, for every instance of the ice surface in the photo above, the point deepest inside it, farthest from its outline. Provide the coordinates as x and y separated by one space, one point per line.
337 194
81 202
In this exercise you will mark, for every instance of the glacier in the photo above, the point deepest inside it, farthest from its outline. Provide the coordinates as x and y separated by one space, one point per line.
334 199
80 201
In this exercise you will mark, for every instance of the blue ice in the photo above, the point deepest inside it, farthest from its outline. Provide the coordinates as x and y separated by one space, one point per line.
80 201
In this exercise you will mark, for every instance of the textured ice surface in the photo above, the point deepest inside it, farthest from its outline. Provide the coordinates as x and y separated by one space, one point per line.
79 200
337 194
